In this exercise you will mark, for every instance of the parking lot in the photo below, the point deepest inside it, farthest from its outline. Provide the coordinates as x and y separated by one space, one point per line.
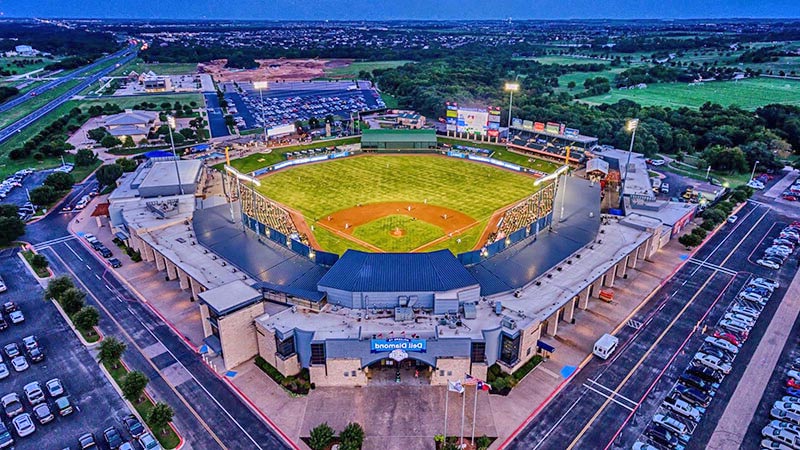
97 405
287 102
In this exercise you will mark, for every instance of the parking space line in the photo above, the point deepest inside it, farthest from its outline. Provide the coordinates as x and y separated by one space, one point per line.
617 394
608 397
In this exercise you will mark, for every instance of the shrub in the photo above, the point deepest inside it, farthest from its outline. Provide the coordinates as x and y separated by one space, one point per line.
39 262
321 436
690 240
483 442
352 437
708 225
700 232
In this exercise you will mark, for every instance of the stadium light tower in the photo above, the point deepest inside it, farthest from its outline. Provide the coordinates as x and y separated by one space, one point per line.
631 127
511 87
261 85
170 125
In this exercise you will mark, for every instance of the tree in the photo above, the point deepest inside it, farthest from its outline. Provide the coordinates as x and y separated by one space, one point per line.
43 195
72 300
108 174
320 437
352 437
39 262
87 318
133 385
60 181
57 286
111 350
97 134
128 142
689 240
110 141
10 229
85 157
160 416
571 85
128 165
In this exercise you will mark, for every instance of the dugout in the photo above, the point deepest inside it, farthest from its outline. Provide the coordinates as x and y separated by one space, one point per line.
398 140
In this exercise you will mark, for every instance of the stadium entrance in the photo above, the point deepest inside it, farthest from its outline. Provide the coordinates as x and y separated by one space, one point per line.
407 371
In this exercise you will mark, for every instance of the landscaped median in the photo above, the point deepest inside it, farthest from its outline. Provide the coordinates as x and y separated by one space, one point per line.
157 415
37 262
70 302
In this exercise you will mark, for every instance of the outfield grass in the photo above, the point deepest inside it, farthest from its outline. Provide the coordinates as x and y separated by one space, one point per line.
500 152
379 233
748 94
317 190
260 160
353 69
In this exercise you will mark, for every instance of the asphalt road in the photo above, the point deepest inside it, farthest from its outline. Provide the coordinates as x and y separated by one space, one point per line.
39 90
7 132
650 358
207 413
98 404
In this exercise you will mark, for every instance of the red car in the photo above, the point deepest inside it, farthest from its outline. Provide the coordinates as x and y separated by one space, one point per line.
727 337
791 382
791 198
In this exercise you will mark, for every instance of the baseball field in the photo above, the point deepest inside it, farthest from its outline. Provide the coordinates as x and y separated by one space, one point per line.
397 203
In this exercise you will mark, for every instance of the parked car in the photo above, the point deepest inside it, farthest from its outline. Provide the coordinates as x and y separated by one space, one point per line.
64 406
670 423
20 364
11 350
148 442
734 326
769 444
722 345
705 373
751 296
86 441
30 342
781 435
728 337
6 440
11 405
662 436
33 392
784 415
774 284
105 252
133 426
4 373
43 414
9 307
713 362
696 382
693 396
54 387
115 262
746 311
749 321
768 264
681 407
36 354
16 317
112 437
23 425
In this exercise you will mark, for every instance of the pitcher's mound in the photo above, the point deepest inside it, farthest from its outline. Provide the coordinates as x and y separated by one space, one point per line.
398 232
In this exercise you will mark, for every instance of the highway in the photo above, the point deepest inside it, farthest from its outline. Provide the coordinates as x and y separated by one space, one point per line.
17 126
39 90
608 404
207 413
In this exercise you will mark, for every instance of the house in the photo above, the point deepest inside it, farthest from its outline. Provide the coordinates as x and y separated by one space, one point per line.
133 124
25 50
155 83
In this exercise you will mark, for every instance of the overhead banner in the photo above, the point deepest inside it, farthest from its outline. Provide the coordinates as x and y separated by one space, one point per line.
527 125
553 127
404 344
571 131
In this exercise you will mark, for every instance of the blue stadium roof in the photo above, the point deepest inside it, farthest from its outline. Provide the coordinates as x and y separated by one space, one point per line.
397 272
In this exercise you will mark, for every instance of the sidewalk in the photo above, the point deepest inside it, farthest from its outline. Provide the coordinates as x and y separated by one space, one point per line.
776 190
733 424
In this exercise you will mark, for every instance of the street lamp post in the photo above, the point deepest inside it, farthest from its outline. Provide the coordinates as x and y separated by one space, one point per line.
752 175
631 127
261 85
511 87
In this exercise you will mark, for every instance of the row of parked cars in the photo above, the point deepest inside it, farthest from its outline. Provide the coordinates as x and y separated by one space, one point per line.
99 247
18 356
683 409
792 193
44 403
9 311
782 247
13 181
115 440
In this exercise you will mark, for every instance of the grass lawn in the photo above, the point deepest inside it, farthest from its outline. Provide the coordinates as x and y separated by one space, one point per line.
79 173
128 102
353 69
733 180
390 100
566 60
379 233
7 64
260 160
140 66
749 94
320 189
166 436
580 77
35 103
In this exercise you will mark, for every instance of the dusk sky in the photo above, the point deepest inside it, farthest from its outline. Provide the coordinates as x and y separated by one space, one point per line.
399 9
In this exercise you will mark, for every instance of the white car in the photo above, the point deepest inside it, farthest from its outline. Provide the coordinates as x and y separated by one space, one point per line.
23 425
712 362
90 238
751 296
746 311
733 218
638 445
789 407
755 184
722 344
749 321
657 162
735 324
769 283
792 374
781 435
148 442
19 363
768 264
769 444
16 317
785 416
33 392
681 407
670 423
54 387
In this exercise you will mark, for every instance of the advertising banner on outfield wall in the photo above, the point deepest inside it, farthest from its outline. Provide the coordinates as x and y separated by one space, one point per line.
538 126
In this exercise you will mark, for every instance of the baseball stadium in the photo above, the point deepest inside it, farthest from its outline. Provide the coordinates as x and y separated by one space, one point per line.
393 257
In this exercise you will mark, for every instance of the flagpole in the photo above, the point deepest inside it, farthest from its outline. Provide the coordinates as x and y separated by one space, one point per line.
463 408
474 413
446 397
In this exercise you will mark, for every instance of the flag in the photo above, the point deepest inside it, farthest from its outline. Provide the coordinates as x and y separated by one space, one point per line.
469 380
455 386
482 386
